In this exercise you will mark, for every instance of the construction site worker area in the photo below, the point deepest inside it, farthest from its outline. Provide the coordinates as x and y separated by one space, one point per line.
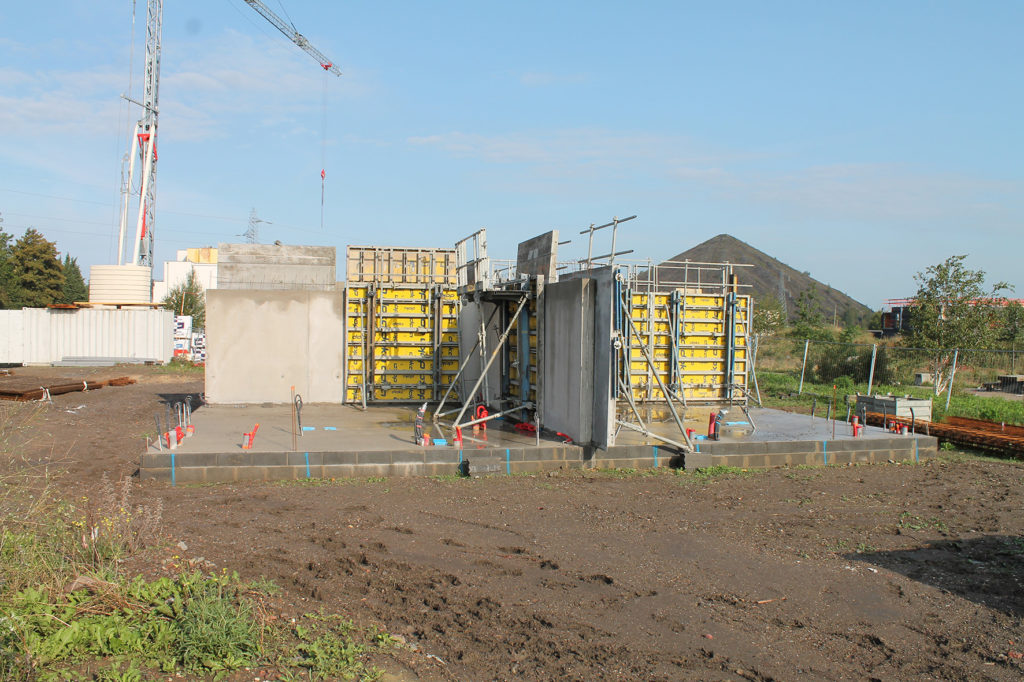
429 361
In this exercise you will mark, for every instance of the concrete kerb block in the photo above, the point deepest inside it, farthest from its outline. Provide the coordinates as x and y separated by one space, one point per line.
441 468
189 475
221 474
155 474
374 471
252 473
197 459
375 457
155 460
268 459
340 471
233 459
299 458
443 457
406 469
338 458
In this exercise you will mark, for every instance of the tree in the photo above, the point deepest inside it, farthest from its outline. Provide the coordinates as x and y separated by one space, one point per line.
74 289
38 278
809 323
952 310
188 298
1012 325
768 317
8 294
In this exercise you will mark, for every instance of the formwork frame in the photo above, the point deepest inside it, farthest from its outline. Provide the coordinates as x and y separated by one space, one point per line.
400 342
678 341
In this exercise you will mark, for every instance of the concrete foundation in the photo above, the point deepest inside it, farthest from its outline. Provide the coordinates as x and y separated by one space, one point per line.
342 442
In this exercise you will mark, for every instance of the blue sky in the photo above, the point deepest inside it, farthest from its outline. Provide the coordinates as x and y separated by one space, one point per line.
861 142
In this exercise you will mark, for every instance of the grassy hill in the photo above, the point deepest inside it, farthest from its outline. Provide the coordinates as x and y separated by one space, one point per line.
767 277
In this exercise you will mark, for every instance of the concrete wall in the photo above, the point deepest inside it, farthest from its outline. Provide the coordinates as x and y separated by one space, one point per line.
269 266
260 343
471 315
538 256
568 359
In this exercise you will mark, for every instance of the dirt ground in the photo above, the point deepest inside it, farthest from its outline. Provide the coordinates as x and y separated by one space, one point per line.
868 572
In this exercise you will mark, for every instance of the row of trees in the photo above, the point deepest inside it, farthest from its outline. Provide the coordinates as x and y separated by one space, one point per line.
953 314
32 274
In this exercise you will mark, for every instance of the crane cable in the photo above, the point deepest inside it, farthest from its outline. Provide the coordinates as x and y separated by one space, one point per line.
323 146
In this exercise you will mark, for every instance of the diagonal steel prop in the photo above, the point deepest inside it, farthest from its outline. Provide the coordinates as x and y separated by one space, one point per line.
437 413
494 354
650 363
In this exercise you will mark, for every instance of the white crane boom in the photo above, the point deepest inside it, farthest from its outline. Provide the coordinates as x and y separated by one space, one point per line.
291 34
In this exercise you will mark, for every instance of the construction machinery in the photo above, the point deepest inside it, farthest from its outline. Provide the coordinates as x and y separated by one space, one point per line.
142 146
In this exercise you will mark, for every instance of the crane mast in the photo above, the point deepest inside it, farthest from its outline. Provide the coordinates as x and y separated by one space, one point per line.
291 34
142 153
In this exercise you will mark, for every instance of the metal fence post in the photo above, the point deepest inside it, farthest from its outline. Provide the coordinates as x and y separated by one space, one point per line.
803 367
871 372
952 377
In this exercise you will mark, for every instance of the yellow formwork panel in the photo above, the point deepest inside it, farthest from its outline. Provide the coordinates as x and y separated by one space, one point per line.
701 351
402 365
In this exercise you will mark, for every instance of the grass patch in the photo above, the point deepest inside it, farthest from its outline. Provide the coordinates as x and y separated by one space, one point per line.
912 522
779 390
630 472
718 472
68 609
180 367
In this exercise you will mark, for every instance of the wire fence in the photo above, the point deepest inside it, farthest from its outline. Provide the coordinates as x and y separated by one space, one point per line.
823 367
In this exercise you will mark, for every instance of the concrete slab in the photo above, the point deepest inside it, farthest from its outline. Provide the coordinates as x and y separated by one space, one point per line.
347 442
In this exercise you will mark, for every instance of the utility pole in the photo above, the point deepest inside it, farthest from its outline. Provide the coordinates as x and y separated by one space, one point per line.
252 234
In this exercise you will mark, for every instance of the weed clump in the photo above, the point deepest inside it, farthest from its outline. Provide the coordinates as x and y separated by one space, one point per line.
68 609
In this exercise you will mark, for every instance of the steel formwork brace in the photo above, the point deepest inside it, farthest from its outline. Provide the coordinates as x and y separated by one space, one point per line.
481 420
650 364
494 354
438 413
642 428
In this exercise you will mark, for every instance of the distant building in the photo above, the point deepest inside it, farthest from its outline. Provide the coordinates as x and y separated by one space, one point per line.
896 312
202 261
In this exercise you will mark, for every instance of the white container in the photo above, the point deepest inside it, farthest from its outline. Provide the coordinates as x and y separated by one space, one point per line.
120 284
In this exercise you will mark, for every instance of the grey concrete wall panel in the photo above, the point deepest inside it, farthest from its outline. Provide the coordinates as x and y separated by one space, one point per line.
604 395
269 266
471 315
263 342
603 376
538 256
568 338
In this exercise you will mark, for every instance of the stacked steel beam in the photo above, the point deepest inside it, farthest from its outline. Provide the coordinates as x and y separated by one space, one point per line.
975 433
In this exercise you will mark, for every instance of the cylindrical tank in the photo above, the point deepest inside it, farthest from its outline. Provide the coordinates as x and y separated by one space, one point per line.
120 284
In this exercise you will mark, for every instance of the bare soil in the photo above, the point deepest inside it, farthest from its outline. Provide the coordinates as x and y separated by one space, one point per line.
868 572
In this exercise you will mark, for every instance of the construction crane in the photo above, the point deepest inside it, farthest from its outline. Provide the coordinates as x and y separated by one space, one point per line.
291 34
142 151
142 154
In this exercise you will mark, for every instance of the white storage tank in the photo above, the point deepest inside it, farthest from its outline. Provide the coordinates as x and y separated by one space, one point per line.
120 284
